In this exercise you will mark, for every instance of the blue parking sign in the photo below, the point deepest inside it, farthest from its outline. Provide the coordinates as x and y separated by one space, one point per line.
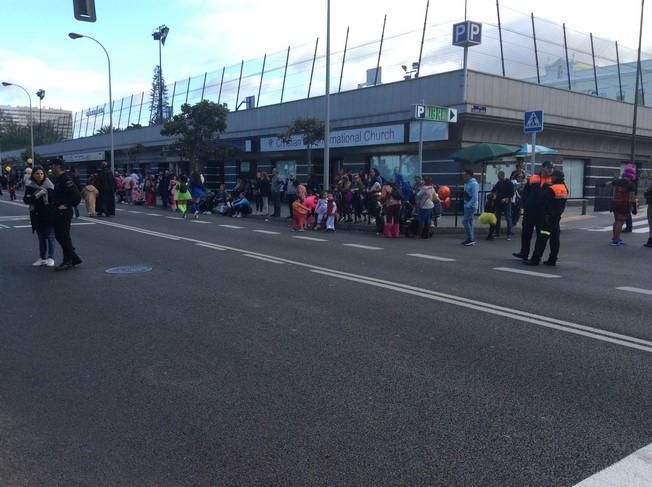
533 121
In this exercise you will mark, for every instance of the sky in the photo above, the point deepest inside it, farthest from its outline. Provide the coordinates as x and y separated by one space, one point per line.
205 35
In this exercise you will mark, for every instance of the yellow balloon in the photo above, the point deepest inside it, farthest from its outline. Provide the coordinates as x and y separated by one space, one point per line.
29 161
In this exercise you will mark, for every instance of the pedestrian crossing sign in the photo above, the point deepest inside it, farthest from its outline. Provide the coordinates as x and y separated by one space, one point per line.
533 121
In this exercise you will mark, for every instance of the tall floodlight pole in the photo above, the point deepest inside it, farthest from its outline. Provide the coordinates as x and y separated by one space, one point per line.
160 34
327 123
41 95
31 118
74 36
638 71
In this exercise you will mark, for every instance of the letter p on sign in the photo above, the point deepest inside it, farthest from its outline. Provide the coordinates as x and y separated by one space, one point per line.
420 111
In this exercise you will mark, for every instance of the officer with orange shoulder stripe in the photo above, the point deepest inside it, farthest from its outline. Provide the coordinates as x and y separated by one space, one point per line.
532 207
553 200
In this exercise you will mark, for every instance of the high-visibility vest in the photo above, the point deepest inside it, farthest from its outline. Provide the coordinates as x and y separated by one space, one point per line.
560 191
540 180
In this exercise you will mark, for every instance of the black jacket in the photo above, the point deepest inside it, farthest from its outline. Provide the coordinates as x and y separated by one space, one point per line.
503 189
40 207
65 192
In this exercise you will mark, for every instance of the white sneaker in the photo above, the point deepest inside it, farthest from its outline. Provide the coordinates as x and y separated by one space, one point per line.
39 263
49 262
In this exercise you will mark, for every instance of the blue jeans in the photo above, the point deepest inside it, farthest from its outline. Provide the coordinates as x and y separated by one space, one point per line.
46 243
468 222
506 210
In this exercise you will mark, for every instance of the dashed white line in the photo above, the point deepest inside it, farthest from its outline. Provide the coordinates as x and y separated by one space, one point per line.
251 256
210 246
153 214
3 226
136 212
637 290
527 273
174 217
366 247
514 314
267 232
234 227
22 226
310 239
200 221
87 223
632 471
432 257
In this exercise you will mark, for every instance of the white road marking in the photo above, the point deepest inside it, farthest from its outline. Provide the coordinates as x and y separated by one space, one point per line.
527 273
252 256
235 227
84 223
120 209
22 226
641 230
174 217
200 221
13 218
595 333
3 226
432 257
153 214
634 470
366 247
267 232
609 228
136 212
310 239
210 246
138 230
635 290
511 313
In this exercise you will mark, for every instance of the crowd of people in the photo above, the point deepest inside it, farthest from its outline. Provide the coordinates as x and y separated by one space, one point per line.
392 205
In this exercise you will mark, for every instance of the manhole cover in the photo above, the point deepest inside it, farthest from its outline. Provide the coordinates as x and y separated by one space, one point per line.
129 269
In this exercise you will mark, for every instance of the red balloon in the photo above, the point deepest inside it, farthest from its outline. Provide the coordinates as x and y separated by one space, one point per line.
446 203
444 192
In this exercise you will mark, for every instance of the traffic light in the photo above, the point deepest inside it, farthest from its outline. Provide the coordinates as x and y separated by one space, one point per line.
84 10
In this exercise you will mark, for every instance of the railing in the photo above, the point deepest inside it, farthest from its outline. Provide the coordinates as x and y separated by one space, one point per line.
521 46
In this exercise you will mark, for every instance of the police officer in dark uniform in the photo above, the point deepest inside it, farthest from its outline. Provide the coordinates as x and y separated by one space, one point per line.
553 204
531 201
64 197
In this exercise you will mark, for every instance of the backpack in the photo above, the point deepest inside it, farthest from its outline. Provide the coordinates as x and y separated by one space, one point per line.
183 187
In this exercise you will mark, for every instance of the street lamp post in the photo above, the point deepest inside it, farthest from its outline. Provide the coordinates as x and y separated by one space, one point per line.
41 95
31 119
327 124
73 36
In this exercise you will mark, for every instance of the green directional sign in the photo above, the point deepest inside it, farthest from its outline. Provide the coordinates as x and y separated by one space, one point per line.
435 114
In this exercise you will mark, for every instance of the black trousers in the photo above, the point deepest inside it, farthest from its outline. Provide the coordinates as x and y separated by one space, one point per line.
276 199
551 232
531 222
62 221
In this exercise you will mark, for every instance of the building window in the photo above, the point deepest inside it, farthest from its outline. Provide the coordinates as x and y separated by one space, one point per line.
285 168
405 165
574 172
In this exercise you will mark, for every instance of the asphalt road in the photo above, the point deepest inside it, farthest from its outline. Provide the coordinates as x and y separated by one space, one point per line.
248 356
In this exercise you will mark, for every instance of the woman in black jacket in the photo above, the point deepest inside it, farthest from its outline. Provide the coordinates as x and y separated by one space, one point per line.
38 195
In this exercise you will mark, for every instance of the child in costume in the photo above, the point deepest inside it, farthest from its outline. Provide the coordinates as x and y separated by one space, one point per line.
331 213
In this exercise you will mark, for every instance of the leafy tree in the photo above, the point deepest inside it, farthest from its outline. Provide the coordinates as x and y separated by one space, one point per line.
198 128
38 159
158 81
134 125
312 129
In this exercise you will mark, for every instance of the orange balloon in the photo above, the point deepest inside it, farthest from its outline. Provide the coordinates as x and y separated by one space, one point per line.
446 203
444 192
